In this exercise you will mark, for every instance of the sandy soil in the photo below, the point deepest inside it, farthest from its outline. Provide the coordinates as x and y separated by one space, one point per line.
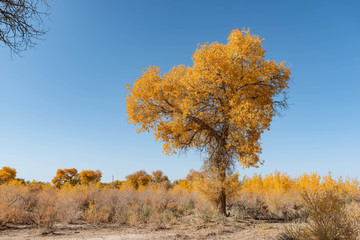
245 231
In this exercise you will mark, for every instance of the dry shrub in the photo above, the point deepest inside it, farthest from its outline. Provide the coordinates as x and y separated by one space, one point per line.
8 198
28 205
268 206
275 197
329 219
44 212
68 204
184 201
154 205
13 203
159 207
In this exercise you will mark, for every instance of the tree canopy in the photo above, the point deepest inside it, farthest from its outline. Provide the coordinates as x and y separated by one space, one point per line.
90 176
7 174
66 175
228 94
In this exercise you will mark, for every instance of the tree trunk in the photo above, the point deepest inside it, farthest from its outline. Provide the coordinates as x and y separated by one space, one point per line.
222 202
222 193
220 162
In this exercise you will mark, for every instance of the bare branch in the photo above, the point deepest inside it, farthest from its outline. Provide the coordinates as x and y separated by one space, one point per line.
22 23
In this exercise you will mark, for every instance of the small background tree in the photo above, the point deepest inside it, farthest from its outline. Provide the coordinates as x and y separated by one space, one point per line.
66 176
7 174
138 180
159 177
221 105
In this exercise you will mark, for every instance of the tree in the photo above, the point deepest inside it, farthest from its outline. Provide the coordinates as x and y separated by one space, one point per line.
7 174
159 177
138 179
21 23
66 175
221 105
90 176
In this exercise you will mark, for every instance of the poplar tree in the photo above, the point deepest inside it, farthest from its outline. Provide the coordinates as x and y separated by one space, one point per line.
221 105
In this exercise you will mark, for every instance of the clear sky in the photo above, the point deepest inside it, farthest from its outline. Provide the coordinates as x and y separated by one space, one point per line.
62 104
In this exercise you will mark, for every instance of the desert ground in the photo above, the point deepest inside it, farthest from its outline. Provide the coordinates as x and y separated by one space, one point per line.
243 231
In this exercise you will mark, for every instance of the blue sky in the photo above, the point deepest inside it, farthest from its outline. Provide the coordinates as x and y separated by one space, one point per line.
62 104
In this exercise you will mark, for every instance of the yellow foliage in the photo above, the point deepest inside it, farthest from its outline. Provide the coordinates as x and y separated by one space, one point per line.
280 184
7 174
90 176
188 184
209 186
182 184
16 182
